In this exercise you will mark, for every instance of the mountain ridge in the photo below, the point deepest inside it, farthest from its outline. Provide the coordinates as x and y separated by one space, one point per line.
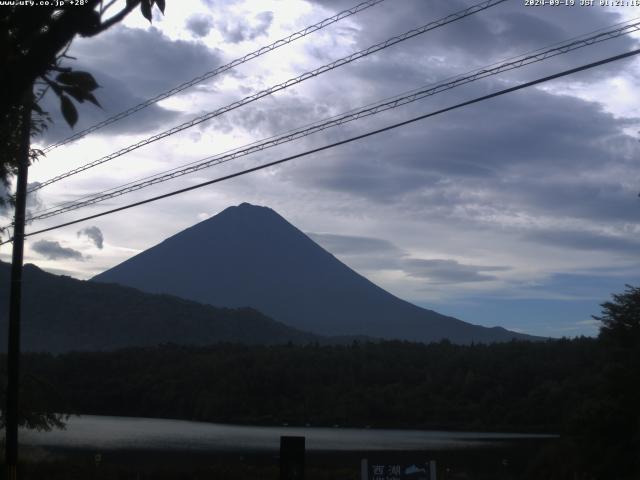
95 316
251 256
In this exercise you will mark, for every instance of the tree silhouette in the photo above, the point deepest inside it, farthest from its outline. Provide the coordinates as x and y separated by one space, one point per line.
33 42
621 319
620 339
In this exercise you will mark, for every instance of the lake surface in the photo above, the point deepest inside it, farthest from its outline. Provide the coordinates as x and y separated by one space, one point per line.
101 432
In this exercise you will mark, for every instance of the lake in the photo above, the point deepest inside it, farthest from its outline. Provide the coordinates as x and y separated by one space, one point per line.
104 433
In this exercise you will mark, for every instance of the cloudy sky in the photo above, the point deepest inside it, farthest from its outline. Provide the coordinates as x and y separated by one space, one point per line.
520 211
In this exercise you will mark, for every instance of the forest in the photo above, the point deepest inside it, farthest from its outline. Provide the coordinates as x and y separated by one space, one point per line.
584 389
511 386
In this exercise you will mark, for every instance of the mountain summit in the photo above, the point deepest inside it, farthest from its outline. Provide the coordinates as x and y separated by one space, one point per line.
249 256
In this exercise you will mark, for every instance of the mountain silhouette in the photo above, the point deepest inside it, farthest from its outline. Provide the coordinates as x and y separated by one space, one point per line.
60 314
249 256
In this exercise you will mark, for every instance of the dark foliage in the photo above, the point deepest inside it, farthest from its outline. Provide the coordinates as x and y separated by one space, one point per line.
40 404
585 389
33 43
554 387
509 386
615 419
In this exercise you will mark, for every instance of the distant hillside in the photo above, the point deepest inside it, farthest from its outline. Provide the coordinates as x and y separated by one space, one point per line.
251 256
62 314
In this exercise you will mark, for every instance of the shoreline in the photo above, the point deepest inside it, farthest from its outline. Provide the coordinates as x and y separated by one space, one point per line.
137 433
53 463
505 430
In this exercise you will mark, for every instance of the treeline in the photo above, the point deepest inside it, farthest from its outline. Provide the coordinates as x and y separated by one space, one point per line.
588 390
510 386
585 389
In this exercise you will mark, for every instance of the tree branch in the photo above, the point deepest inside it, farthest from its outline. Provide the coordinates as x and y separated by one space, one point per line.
57 32
118 17
106 7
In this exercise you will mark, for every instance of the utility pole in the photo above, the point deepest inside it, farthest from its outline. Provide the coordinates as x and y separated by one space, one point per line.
13 355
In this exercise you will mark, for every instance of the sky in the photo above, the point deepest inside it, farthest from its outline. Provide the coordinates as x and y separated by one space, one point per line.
520 211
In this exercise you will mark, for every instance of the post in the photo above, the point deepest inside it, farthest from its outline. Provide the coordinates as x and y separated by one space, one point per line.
13 352
292 451
364 469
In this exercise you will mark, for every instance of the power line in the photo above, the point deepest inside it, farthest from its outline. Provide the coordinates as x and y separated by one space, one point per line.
594 36
373 109
293 81
217 71
342 142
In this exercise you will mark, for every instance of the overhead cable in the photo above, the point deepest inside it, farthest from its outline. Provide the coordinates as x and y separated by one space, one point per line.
342 142
338 120
217 71
622 27
281 86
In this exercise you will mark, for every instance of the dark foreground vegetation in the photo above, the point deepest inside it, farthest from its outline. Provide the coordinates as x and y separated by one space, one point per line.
587 390
479 464
512 386
569 387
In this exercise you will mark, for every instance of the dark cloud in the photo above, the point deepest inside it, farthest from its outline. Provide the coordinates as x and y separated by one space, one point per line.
509 25
199 26
586 198
115 96
238 29
448 271
130 65
147 61
284 114
368 253
527 152
503 31
555 159
354 245
52 250
528 27
94 234
583 240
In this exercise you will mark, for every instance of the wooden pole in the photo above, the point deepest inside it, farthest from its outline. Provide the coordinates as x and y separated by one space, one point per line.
15 300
